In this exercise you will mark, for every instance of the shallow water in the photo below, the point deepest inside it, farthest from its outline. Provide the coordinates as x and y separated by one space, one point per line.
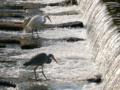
74 58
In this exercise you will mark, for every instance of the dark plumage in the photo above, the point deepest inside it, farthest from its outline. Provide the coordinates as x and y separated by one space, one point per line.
39 60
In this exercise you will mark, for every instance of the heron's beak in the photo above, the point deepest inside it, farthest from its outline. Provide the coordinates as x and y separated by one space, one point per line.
54 59
49 19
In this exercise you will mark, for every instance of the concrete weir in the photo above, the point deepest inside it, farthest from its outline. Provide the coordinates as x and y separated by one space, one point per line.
102 19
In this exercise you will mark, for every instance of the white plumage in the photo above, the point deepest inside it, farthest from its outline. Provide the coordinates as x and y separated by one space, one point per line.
36 22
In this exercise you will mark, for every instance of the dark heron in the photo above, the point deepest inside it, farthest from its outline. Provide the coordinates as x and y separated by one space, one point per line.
39 60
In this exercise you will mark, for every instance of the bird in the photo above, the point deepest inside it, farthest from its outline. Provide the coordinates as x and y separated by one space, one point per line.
40 60
37 21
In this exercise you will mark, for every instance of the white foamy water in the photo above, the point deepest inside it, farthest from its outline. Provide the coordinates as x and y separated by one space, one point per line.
74 61
74 58
11 33
57 9
64 19
63 33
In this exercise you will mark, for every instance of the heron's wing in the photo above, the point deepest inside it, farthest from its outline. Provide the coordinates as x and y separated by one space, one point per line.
38 59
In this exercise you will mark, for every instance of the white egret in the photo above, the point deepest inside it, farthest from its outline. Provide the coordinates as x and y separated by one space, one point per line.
36 22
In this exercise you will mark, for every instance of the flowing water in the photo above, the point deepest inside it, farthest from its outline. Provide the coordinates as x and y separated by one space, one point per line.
104 38
76 59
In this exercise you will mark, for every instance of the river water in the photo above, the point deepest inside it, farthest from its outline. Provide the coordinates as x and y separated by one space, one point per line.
75 64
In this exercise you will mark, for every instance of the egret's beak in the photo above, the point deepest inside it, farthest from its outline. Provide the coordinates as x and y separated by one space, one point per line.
49 19
54 59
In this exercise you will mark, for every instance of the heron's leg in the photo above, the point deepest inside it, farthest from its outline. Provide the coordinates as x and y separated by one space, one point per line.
43 73
35 72
37 32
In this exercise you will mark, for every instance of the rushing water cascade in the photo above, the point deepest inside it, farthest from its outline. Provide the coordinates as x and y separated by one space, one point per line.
104 38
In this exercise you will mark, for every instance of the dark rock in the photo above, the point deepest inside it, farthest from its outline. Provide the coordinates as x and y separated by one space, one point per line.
11 26
2 46
9 40
95 80
69 24
9 16
65 13
12 7
37 87
73 39
27 44
111 0
8 84
24 43
64 3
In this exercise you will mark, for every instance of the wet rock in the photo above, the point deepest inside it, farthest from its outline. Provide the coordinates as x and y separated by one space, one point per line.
38 87
64 13
111 0
11 15
69 24
6 83
3 61
11 26
14 16
11 7
64 3
95 80
2 46
24 43
73 39
9 40
27 44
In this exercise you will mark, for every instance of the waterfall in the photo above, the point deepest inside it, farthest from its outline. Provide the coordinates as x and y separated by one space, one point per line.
104 37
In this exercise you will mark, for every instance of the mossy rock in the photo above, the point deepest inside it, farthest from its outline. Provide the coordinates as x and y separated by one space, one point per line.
24 43
27 44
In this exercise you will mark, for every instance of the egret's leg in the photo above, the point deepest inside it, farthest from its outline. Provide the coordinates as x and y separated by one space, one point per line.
32 33
43 73
37 32
35 72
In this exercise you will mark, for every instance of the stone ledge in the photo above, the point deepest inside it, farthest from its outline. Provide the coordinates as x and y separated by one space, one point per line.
11 26
2 46
24 43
